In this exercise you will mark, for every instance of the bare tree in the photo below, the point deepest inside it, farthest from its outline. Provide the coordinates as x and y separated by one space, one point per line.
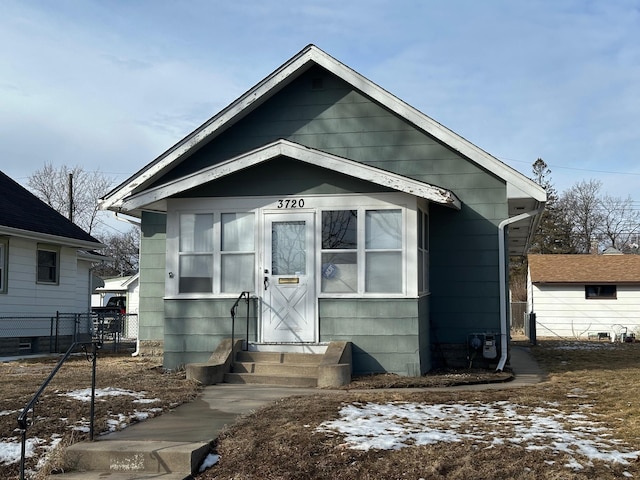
53 186
123 249
582 207
620 222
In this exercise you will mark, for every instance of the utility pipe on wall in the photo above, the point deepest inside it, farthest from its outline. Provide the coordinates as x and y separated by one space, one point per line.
502 266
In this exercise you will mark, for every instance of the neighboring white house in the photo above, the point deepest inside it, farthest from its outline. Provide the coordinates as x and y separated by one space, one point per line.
45 267
585 296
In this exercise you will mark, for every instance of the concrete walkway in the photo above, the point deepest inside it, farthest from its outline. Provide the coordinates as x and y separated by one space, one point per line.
192 426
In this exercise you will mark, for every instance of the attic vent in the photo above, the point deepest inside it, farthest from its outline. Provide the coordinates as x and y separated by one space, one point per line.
317 84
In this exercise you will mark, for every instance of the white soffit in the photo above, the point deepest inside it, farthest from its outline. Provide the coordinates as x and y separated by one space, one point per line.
297 152
295 66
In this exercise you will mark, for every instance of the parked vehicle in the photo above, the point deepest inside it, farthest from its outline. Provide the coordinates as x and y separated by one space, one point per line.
115 305
109 319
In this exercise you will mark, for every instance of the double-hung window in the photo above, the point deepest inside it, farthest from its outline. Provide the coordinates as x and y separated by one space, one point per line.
4 247
47 264
423 252
362 251
216 253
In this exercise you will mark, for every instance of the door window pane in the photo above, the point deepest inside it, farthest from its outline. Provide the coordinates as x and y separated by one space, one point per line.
383 229
196 274
383 272
237 232
340 272
238 273
288 248
339 229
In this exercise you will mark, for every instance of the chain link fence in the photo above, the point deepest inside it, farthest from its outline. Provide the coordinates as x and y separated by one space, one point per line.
33 334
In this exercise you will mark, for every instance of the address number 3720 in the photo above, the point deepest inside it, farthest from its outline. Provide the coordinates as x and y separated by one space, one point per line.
291 203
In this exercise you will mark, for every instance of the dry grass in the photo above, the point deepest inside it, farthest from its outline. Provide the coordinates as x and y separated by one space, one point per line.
282 441
57 414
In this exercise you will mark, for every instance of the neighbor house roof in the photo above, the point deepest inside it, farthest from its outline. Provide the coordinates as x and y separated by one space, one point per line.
584 269
24 214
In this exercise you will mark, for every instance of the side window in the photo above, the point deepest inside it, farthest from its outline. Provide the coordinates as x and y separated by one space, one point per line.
339 251
600 292
423 252
4 248
195 255
47 264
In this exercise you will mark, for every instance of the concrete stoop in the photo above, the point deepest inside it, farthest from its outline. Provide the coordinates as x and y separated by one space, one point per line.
133 460
275 368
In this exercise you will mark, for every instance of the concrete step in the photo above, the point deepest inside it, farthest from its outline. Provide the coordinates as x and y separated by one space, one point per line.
276 369
118 476
278 357
136 458
266 379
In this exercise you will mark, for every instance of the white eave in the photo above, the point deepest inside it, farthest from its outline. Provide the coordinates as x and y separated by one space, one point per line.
297 152
311 55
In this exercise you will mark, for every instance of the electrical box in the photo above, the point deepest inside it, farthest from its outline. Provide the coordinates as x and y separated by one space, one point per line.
489 348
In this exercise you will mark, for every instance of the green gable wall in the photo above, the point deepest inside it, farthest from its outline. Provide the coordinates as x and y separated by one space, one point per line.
340 120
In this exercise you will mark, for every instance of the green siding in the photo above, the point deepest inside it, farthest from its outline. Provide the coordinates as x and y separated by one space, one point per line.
342 121
386 333
152 276
194 328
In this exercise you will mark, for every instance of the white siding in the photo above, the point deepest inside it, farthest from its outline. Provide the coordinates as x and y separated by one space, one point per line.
26 297
563 311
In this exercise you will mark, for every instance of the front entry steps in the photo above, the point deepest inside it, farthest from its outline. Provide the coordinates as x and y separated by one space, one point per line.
275 368
324 370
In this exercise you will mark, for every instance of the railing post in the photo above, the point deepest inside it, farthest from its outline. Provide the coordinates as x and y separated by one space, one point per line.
92 412
246 344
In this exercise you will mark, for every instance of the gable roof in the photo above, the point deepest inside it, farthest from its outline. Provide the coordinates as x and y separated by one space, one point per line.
584 269
23 214
526 194
156 196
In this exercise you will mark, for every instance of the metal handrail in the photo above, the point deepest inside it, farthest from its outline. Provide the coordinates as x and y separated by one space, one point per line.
234 310
23 420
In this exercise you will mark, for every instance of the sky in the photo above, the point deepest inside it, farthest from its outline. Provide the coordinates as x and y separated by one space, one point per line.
110 85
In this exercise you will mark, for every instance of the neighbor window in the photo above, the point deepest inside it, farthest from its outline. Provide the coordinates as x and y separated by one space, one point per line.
600 291
362 251
47 270
4 244
209 266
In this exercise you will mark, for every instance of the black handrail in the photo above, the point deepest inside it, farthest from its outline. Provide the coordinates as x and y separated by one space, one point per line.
23 420
234 310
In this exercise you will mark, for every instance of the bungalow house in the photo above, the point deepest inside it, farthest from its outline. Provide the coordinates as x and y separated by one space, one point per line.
584 296
346 214
45 267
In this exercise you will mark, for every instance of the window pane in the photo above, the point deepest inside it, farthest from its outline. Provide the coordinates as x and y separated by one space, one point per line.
196 232
2 267
383 229
288 248
383 272
238 273
600 291
47 263
196 273
339 272
237 232
339 229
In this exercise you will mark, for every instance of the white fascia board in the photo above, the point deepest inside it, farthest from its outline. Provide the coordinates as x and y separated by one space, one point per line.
52 239
271 84
300 153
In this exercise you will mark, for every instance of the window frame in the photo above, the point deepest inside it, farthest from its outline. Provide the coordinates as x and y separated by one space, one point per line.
4 260
601 292
422 228
56 272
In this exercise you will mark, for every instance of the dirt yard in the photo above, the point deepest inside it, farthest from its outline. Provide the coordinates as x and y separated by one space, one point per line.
582 423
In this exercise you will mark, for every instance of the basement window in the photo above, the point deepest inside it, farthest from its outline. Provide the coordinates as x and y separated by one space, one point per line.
608 292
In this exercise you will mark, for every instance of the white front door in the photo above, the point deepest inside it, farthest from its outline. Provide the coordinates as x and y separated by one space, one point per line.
288 306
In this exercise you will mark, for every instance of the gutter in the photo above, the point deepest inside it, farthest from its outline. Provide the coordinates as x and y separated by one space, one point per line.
502 266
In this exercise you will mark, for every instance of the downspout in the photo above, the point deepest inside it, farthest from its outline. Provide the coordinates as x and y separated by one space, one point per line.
502 266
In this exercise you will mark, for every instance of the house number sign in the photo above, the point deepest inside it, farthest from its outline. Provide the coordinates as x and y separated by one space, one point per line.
291 203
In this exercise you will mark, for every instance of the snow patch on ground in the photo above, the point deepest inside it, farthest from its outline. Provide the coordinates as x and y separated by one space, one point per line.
398 425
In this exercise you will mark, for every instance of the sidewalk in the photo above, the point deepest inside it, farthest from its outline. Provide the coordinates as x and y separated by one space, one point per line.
194 425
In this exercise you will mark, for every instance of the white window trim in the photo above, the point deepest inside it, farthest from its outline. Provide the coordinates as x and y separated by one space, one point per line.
4 260
312 203
48 248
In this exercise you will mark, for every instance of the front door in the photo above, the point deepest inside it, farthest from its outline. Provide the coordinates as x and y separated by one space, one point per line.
288 307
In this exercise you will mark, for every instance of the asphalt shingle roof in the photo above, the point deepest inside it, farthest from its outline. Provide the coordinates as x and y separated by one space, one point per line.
22 210
584 268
